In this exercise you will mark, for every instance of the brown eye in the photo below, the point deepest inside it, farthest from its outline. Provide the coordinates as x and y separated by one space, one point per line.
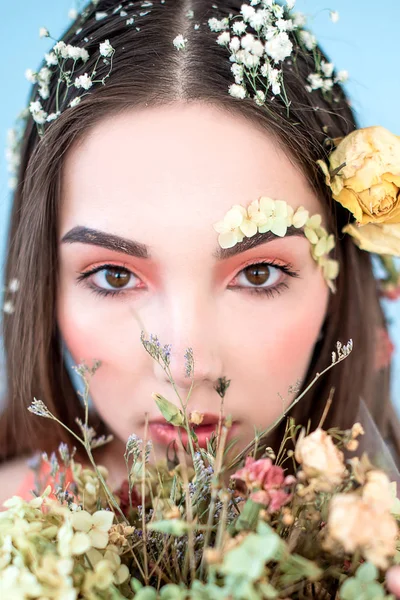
117 278
113 278
257 274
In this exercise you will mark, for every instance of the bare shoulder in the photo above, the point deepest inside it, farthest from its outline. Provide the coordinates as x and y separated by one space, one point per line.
12 475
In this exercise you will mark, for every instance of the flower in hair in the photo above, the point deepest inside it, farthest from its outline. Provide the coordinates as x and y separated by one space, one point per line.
61 62
364 175
259 40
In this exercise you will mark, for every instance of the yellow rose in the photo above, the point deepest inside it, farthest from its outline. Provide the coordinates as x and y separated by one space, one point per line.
368 183
378 238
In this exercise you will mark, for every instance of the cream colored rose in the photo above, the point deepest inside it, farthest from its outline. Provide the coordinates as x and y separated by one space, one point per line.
359 523
376 237
368 183
320 459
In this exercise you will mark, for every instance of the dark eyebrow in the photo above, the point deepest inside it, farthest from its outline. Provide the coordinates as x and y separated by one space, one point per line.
252 242
94 237
84 235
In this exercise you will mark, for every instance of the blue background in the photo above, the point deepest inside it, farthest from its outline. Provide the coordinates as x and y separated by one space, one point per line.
364 41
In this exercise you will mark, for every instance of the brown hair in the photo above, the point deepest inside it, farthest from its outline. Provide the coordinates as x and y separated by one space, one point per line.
148 71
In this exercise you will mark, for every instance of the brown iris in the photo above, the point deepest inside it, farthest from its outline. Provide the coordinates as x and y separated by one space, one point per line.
117 278
257 274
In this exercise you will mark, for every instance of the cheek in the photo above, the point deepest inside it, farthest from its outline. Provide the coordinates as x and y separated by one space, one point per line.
276 340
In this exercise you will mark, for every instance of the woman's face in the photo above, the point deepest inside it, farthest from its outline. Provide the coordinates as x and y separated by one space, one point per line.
141 193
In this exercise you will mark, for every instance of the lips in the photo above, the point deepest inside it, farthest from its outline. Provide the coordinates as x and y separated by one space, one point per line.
163 433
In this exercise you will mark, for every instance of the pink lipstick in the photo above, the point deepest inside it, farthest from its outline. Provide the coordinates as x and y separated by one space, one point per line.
163 433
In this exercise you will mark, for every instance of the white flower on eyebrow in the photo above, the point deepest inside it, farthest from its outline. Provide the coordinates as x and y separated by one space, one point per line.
266 214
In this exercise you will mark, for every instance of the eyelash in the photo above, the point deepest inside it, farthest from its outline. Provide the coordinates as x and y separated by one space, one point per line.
270 292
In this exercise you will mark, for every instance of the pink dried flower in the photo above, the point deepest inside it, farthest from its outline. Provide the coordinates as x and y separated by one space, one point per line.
268 481
254 471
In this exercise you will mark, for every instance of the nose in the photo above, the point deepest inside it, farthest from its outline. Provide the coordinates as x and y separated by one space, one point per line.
189 333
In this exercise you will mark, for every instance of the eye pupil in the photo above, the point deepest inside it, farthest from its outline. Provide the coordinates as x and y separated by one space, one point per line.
117 277
257 274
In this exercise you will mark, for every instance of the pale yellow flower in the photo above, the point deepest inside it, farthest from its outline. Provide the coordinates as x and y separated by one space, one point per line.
70 543
321 461
18 582
275 213
95 526
110 564
376 237
357 523
369 183
229 228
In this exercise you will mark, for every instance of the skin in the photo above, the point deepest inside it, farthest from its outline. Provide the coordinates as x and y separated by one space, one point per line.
163 176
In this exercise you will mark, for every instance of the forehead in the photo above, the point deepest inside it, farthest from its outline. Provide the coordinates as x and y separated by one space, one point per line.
174 170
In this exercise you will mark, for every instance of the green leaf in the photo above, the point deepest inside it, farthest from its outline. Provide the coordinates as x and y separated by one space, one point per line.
136 585
351 589
248 559
296 567
248 518
172 592
367 572
146 593
170 526
169 411
268 591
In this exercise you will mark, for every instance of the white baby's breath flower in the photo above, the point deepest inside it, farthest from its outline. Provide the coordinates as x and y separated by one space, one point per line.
239 27
60 48
277 10
38 114
327 68
72 14
258 19
341 76
315 80
299 19
75 102
99 16
247 11
237 91
53 116
327 85
31 75
224 38
44 91
50 58
83 81
237 71
8 307
274 78
334 16
218 24
234 44
43 32
259 97
308 39
279 47
179 42
290 4
106 49
285 24
13 286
